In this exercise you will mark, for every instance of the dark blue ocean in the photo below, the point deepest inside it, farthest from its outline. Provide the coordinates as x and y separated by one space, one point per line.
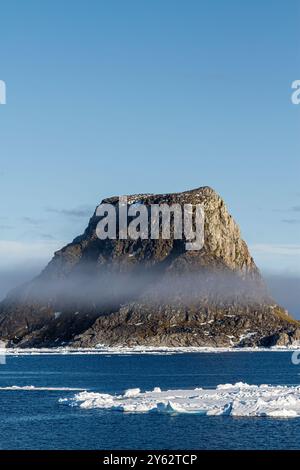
36 419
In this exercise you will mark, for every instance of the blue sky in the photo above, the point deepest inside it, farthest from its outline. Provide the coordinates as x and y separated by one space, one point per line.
117 97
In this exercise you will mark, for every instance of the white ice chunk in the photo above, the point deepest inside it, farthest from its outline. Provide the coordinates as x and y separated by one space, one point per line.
238 399
132 392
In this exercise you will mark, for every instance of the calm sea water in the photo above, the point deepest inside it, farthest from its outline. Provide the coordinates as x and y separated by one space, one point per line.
36 420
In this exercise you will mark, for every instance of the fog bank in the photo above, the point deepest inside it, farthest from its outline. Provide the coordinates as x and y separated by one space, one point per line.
284 288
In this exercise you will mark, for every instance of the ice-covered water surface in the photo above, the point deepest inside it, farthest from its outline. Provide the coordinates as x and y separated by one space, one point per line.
31 386
239 399
125 350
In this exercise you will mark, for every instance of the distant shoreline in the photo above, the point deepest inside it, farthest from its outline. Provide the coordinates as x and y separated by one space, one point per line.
119 350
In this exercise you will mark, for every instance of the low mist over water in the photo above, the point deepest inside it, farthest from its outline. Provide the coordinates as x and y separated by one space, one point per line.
285 289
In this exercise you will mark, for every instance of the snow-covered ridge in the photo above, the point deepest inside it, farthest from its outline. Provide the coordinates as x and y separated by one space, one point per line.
106 350
240 399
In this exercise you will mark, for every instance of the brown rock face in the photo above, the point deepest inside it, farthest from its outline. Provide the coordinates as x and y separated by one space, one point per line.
150 292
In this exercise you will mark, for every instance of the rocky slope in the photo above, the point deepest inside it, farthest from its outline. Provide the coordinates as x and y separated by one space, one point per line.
150 292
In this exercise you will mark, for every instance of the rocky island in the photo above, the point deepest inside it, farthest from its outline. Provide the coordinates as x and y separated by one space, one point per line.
150 292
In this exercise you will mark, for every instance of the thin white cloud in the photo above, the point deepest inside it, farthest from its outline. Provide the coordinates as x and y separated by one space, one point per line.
277 258
16 253
276 249
81 211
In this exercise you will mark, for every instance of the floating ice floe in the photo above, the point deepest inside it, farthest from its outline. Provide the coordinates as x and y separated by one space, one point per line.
240 399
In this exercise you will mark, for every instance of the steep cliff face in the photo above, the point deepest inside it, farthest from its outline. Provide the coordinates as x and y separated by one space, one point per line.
150 292
223 243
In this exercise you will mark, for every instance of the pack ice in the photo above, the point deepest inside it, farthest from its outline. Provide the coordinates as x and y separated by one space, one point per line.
239 399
